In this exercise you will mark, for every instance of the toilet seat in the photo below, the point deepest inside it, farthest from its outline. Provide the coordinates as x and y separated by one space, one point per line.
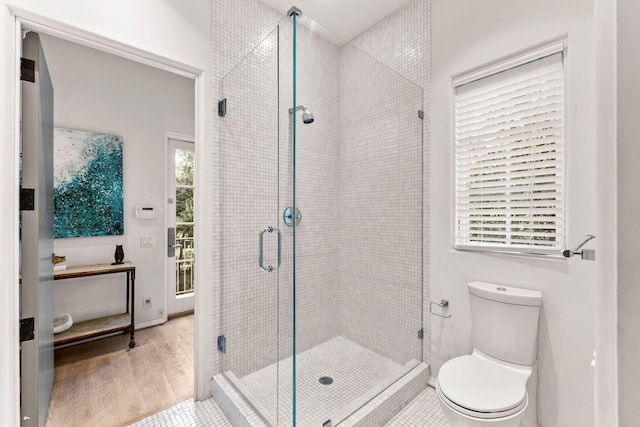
480 388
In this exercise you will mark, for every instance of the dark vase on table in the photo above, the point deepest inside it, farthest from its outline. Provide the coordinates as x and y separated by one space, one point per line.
119 255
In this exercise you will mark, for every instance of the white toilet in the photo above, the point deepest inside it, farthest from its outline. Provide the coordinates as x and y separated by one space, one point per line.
495 385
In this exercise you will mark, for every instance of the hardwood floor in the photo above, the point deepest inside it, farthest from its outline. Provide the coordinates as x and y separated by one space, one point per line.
104 383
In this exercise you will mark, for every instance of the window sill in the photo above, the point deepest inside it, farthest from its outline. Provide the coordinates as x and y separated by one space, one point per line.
511 253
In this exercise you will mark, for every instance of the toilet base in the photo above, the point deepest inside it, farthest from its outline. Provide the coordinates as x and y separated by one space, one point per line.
530 418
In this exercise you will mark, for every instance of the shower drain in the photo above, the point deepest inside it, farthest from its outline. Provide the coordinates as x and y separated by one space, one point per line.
325 380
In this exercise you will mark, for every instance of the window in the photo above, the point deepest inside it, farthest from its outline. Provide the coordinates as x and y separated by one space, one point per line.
509 161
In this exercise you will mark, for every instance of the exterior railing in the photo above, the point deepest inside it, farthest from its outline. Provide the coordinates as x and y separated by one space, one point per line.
184 265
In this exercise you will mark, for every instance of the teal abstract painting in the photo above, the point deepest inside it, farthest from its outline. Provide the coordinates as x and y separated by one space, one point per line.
87 184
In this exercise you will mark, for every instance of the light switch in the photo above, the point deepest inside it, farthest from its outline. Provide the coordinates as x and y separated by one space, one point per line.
147 241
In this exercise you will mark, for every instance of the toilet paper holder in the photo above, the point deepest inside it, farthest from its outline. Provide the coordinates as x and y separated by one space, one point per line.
444 304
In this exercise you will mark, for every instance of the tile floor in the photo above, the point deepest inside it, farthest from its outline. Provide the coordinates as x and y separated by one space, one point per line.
187 414
423 411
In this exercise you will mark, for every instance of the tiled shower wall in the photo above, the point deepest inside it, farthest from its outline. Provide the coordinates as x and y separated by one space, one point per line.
380 292
384 171
246 196
317 189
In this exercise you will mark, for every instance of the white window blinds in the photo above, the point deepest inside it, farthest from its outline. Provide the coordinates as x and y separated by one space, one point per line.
509 159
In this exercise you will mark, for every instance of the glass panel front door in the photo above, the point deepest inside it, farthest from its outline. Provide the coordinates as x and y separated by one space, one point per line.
184 221
180 191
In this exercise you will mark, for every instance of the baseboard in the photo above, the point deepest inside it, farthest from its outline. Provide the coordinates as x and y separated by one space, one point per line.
181 314
149 324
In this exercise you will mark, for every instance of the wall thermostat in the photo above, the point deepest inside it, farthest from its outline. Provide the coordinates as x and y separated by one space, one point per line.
147 212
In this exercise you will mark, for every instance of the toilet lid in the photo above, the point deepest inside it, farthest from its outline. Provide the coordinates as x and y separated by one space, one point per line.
480 385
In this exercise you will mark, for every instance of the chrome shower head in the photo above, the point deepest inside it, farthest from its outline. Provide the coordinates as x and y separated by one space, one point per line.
307 116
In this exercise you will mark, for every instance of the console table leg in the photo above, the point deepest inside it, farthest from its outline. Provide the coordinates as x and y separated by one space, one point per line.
132 328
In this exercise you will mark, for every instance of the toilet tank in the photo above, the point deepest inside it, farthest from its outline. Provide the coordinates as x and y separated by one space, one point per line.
504 321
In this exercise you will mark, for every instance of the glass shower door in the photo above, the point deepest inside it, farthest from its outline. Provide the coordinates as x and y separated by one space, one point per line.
250 228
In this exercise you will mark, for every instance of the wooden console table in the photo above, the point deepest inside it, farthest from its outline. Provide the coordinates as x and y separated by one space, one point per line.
105 325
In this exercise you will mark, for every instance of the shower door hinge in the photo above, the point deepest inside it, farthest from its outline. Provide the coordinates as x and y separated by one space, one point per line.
421 114
421 334
222 107
222 344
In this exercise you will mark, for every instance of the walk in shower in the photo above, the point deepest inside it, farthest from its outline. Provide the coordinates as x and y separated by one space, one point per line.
321 216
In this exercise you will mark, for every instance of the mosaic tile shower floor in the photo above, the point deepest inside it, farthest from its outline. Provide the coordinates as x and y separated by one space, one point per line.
355 370
423 411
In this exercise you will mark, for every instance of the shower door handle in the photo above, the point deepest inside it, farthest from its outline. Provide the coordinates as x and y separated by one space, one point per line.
268 268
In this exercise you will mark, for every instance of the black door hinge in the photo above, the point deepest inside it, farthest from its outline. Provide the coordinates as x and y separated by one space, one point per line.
421 334
27 327
27 70
27 199
421 114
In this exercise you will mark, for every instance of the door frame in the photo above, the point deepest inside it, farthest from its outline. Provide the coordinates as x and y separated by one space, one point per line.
167 260
16 20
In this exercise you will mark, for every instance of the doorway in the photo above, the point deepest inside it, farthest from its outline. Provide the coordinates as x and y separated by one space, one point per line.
141 164
181 187
123 36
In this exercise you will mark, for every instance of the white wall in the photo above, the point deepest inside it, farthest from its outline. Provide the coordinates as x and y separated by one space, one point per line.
170 29
606 381
466 34
100 92
628 157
